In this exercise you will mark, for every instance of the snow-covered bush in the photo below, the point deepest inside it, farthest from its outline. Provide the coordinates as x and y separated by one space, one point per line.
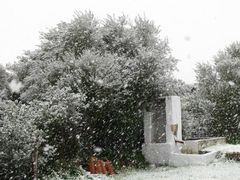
90 80
4 87
17 138
196 115
219 84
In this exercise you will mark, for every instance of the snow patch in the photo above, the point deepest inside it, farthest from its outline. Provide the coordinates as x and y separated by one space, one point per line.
100 82
225 148
218 170
97 149
231 83
15 85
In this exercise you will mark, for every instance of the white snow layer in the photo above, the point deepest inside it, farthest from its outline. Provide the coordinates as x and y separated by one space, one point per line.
15 86
224 148
219 170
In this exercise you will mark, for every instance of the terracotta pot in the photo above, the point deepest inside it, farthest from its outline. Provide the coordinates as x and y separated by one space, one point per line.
104 170
109 167
98 167
92 165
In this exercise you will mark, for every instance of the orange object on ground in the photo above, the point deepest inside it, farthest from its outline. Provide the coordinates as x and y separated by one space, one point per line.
104 170
98 167
109 167
92 165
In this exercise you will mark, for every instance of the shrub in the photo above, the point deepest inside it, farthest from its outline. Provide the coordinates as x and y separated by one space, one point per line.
233 156
17 138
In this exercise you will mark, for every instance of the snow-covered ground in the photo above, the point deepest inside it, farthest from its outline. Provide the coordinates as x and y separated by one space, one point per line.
218 170
221 170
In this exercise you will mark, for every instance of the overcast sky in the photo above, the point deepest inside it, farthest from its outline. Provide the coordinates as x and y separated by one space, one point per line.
196 29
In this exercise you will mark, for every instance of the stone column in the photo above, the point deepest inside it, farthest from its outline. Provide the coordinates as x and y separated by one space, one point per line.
173 118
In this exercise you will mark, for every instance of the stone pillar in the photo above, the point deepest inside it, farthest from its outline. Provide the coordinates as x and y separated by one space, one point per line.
161 122
173 118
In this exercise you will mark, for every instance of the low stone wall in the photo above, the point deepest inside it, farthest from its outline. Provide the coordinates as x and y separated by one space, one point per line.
166 154
177 159
157 153
194 146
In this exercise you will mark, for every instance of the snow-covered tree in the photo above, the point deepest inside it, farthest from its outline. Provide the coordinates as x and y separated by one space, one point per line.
4 89
219 83
89 81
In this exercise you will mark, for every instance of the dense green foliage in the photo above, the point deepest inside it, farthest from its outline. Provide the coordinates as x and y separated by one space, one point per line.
17 138
196 115
219 84
4 89
85 87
